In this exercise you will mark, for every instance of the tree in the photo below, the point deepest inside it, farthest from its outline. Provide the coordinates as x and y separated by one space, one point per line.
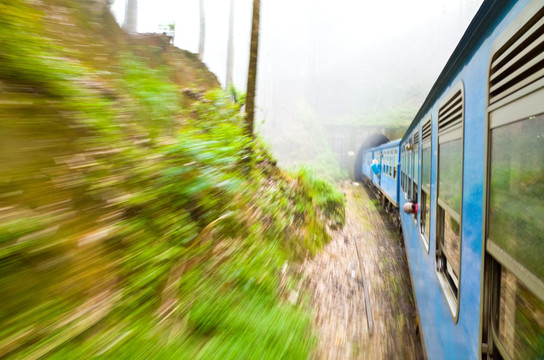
202 31
230 49
131 15
252 71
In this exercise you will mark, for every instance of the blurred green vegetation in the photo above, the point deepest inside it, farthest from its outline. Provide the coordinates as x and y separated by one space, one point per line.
137 221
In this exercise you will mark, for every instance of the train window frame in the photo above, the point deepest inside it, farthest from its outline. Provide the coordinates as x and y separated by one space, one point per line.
495 257
405 162
400 175
391 163
379 159
395 164
401 172
384 169
450 285
416 168
522 102
425 192
410 166
387 162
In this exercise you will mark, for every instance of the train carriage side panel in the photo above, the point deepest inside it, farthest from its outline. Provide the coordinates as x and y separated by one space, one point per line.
389 175
365 166
448 299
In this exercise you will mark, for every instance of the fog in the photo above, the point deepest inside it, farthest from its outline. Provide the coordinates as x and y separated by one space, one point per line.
330 73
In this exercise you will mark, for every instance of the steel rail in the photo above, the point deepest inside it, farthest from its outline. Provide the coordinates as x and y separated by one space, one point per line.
369 319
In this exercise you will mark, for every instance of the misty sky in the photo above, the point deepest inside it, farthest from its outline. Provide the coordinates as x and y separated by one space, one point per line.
323 61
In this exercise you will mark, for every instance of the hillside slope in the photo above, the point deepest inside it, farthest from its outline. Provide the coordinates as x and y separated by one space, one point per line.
137 221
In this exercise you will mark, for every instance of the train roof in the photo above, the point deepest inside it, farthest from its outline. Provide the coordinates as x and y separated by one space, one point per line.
479 27
387 145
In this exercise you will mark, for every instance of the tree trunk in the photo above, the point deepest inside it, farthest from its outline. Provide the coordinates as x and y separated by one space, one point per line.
252 73
230 49
202 31
131 16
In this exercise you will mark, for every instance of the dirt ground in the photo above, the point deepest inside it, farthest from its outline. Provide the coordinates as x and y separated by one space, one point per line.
334 279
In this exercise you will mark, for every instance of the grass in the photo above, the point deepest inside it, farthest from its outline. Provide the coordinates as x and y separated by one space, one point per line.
135 222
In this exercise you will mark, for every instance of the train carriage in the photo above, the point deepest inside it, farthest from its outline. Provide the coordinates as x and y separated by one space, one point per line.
387 156
368 156
473 162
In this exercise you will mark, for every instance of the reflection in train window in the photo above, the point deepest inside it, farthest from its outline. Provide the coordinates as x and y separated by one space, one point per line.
449 174
391 163
513 313
516 213
520 324
410 170
401 170
450 191
395 164
416 167
425 203
516 225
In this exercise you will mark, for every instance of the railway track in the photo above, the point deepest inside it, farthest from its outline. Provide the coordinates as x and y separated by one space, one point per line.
366 313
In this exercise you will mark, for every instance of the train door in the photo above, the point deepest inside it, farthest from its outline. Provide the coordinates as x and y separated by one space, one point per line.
513 286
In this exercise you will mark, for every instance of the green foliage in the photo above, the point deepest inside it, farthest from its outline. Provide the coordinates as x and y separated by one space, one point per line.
32 60
237 96
132 227
325 195
155 100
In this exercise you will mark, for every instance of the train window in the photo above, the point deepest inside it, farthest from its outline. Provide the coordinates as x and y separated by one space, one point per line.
387 162
416 167
516 191
384 163
402 164
450 175
392 164
389 168
425 203
404 171
395 164
405 165
520 324
513 313
515 228
405 174
409 186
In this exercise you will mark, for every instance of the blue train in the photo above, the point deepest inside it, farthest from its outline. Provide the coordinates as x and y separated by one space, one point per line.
467 184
